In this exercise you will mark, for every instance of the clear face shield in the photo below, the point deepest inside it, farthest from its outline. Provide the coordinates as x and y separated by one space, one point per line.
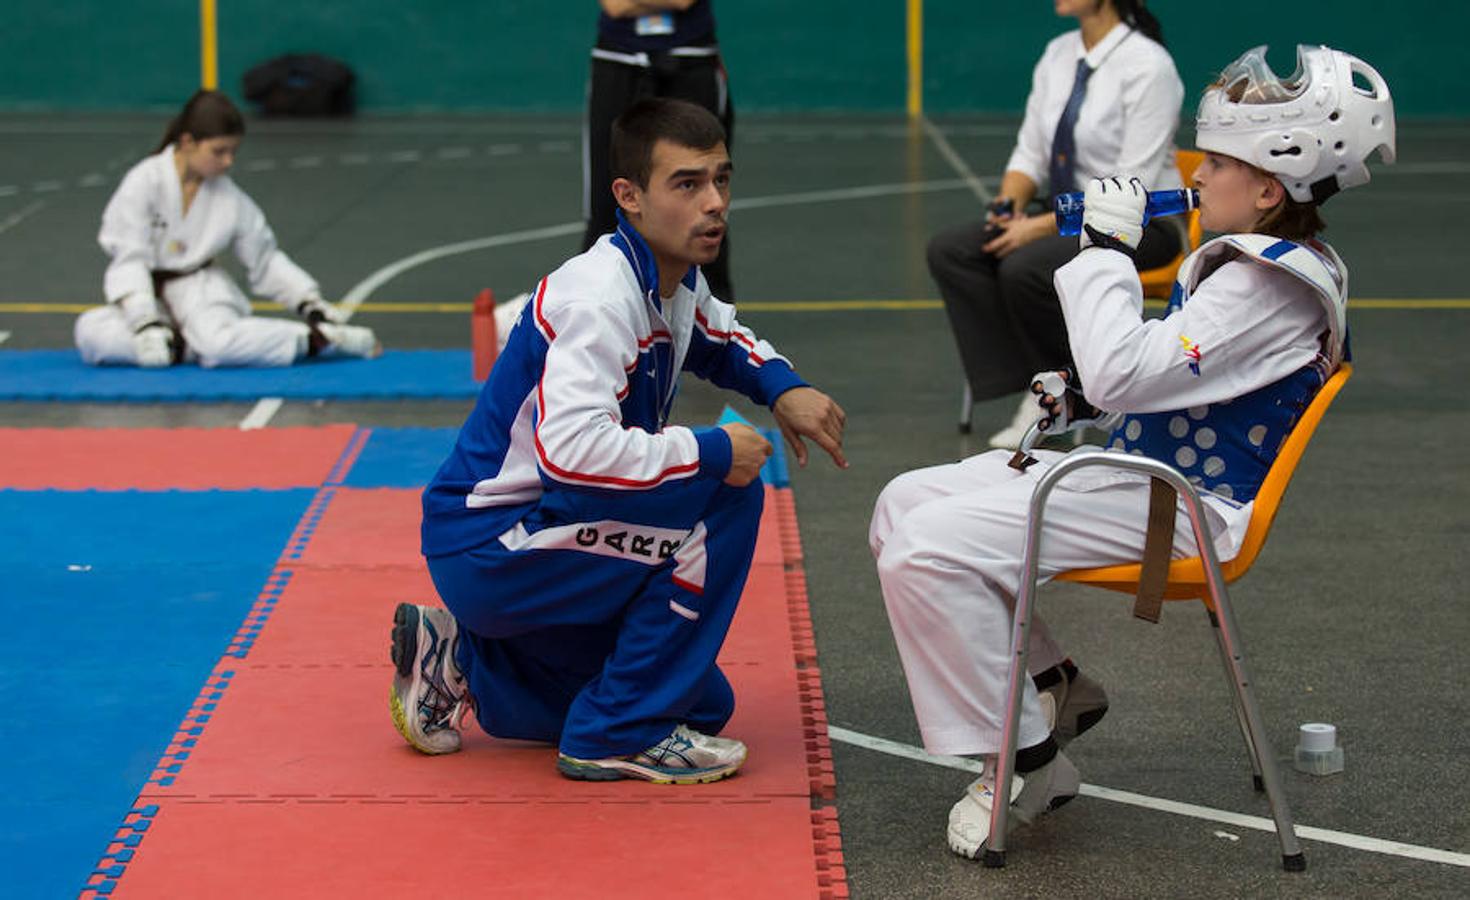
1250 80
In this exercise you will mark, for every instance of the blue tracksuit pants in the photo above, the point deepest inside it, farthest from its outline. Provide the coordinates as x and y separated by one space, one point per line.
602 635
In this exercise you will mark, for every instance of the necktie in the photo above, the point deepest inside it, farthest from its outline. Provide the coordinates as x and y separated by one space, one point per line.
1063 147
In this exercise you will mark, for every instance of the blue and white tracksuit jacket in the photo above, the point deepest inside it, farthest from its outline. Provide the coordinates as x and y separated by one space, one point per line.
591 552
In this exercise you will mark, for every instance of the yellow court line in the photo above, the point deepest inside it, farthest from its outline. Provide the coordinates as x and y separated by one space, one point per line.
783 306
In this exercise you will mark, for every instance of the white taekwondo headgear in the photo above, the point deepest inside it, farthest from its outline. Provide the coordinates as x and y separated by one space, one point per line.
1314 130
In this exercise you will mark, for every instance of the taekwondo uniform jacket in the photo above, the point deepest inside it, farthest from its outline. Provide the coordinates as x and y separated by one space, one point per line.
145 230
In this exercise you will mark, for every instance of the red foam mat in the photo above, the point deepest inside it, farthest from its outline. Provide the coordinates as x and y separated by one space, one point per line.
657 847
287 777
153 459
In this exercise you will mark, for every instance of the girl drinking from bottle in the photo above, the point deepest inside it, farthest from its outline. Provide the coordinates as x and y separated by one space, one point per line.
1256 325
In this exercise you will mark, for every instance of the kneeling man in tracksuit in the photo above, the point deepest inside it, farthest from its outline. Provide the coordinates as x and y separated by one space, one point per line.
590 554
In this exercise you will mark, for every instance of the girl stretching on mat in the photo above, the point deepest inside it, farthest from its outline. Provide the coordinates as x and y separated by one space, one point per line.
1255 326
166 300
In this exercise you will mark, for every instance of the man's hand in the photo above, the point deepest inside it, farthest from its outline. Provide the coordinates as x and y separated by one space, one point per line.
153 345
1112 214
807 412
748 452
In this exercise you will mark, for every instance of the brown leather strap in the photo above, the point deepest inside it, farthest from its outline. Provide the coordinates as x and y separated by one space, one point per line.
1158 547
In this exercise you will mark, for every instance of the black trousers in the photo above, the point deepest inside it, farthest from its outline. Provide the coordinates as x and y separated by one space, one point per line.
1005 314
616 86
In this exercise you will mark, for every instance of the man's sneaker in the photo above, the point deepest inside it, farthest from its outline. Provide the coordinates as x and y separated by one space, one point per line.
349 340
429 696
1009 437
1046 789
684 757
1072 706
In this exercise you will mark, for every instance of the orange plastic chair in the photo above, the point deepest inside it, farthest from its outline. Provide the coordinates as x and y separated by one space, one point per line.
1159 283
1193 578
1187 576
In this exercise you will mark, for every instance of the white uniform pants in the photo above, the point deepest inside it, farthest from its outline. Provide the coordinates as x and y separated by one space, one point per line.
214 317
949 541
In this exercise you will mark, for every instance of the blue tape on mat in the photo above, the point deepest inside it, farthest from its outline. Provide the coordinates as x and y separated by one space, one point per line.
117 607
61 375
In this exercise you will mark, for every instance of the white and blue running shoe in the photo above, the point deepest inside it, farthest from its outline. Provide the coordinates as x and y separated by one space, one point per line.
429 696
684 757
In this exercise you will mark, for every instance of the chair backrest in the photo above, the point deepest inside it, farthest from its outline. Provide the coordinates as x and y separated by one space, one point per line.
1268 498
1159 283
1187 576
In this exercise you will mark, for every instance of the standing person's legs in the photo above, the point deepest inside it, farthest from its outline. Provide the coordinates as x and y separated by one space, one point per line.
703 80
611 88
584 635
967 281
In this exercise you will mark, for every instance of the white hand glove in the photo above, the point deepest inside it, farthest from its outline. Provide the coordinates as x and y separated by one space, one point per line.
1112 213
1063 407
153 345
314 309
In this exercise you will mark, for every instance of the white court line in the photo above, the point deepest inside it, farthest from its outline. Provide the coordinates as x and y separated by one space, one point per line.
1239 820
941 143
364 289
260 414
10 222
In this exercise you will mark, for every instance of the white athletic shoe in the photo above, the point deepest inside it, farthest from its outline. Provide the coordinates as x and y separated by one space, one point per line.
1009 437
429 697
684 757
349 340
1039 792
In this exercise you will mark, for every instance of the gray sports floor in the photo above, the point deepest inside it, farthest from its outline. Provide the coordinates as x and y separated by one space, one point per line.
1355 614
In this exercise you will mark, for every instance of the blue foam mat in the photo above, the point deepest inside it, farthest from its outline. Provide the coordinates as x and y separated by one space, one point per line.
117 606
401 457
60 375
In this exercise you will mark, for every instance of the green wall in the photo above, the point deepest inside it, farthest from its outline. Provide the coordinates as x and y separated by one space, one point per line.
782 54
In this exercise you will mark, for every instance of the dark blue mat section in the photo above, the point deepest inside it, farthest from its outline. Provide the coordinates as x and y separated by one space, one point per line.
116 607
60 375
401 457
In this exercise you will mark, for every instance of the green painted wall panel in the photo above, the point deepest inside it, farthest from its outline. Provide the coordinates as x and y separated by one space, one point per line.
783 55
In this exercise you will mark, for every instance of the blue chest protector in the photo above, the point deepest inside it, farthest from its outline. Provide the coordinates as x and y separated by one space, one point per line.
1228 447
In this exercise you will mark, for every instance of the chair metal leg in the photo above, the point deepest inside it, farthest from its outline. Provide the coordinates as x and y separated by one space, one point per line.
1245 733
1262 757
967 408
1292 858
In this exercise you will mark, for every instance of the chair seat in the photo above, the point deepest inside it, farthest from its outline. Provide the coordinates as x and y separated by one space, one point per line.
1187 576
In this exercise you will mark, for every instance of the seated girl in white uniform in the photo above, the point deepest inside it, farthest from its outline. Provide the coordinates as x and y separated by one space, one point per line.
166 302
1255 326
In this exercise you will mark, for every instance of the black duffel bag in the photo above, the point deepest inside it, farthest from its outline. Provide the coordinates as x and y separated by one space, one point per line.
301 84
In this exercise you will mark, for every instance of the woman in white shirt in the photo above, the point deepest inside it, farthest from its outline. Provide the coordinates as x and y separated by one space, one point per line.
996 275
173 213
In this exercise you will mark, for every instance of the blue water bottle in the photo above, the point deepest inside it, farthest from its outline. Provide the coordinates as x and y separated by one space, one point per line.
1068 207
